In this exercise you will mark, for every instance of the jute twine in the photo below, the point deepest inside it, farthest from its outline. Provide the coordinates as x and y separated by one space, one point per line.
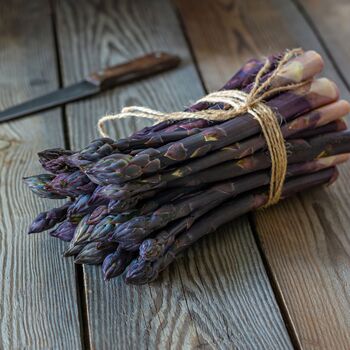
240 103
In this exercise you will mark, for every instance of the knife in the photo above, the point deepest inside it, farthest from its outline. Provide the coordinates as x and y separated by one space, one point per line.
100 81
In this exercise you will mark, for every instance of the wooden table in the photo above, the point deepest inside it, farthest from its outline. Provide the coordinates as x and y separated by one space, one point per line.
274 280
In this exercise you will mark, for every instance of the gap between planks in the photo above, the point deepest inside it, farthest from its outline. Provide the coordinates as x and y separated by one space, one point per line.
79 274
321 41
275 287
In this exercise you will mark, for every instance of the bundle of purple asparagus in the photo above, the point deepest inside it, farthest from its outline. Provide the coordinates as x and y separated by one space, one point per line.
134 204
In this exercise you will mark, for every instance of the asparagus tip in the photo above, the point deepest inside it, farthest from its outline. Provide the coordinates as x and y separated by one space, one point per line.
67 254
72 251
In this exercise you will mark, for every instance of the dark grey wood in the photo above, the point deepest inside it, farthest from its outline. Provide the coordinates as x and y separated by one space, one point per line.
331 22
38 297
305 239
218 294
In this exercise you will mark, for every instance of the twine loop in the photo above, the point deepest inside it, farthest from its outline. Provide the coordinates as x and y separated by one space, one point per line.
240 103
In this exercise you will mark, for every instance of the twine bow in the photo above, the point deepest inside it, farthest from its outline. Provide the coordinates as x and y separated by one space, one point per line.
240 103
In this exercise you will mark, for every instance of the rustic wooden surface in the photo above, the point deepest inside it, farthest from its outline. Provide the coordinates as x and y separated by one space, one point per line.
305 239
285 285
332 27
38 296
186 307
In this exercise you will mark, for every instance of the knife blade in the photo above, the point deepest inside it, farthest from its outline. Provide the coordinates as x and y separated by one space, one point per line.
105 79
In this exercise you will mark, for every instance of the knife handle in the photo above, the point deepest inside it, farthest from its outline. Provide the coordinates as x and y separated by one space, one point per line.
133 70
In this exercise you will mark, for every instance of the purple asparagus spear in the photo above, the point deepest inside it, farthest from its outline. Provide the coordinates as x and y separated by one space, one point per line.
131 233
142 271
152 248
289 104
314 119
115 263
55 160
49 219
64 231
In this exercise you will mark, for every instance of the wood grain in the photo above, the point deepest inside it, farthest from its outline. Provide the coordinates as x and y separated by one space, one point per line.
331 22
38 297
305 239
218 295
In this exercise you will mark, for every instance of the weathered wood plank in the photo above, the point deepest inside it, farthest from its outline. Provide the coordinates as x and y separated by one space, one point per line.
305 239
38 308
331 20
209 299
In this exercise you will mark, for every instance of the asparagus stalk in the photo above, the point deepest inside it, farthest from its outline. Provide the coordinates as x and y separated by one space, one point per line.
142 271
146 201
337 125
58 160
315 119
38 185
80 207
91 254
115 263
64 231
180 129
240 80
109 170
94 151
299 151
71 184
77 183
260 161
61 185
301 67
55 160
97 228
91 229
87 233
164 197
134 191
107 226
98 214
130 234
152 248
81 230
49 219
161 138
